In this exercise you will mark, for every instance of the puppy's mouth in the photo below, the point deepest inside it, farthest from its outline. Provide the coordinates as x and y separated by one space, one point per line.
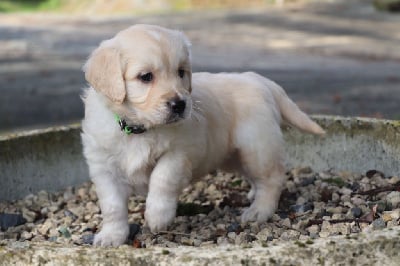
173 118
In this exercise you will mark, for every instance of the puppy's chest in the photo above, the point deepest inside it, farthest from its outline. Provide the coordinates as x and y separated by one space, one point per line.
137 157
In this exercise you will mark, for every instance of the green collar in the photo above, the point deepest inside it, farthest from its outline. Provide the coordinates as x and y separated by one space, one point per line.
135 129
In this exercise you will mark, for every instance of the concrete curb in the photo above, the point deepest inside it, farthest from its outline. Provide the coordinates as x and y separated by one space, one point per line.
378 247
48 159
351 144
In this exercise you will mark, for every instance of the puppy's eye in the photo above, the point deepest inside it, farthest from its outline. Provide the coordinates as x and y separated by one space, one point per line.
181 73
146 78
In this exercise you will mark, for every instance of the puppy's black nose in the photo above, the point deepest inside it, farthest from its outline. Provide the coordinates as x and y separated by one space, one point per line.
177 106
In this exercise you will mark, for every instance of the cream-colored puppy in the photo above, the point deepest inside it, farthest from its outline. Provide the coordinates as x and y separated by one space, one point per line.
177 127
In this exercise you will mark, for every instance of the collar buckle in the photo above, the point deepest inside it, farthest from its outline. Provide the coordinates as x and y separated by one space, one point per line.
135 129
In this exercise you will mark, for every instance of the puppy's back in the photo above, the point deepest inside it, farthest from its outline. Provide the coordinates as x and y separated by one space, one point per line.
250 90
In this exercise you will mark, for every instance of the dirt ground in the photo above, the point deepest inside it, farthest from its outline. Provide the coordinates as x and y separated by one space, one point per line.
341 58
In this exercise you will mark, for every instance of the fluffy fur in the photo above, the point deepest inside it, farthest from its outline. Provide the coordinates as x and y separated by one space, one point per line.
231 122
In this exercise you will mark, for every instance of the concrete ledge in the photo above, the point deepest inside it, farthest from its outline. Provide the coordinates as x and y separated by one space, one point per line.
351 144
51 159
378 247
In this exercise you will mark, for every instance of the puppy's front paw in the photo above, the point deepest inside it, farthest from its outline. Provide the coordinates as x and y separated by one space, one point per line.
159 214
111 235
257 213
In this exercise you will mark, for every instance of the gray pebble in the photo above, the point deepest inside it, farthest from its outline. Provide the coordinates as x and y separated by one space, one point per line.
88 239
378 224
356 212
10 220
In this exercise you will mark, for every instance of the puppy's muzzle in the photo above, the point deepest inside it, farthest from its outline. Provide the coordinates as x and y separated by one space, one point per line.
177 108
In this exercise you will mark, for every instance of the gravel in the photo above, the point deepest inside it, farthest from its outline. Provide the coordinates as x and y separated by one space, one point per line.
313 205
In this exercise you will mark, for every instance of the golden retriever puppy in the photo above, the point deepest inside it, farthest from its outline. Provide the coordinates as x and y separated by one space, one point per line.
151 127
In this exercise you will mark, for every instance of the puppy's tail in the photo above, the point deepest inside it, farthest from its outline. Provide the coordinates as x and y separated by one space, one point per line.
292 113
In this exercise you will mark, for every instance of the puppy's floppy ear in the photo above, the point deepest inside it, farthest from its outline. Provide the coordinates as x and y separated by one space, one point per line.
103 71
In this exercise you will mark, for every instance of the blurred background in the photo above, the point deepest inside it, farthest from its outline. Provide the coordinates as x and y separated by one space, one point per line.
332 57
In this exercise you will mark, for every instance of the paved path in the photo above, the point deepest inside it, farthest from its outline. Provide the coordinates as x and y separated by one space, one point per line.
331 59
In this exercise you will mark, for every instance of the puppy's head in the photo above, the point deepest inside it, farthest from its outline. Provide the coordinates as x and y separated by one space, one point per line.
144 72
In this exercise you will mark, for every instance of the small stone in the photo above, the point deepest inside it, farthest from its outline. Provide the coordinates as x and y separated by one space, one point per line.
10 220
357 201
308 181
372 173
337 209
52 239
211 188
313 229
234 227
302 208
275 218
26 235
44 229
64 232
29 215
290 235
92 208
265 234
391 215
38 238
134 229
186 241
78 211
395 214
355 186
286 222
338 216
83 193
341 228
244 238
301 171
365 184
394 180
356 212
326 227
222 241
231 235
345 198
300 201
197 242
221 226
394 198
207 244
70 214
43 198
386 217
335 197
378 224
53 232
392 223
345 191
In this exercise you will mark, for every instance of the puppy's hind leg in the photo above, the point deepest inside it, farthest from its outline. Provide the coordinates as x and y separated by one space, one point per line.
267 189
262 162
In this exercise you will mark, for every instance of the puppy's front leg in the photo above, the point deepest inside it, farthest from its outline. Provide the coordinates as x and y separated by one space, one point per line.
171 174
113 199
